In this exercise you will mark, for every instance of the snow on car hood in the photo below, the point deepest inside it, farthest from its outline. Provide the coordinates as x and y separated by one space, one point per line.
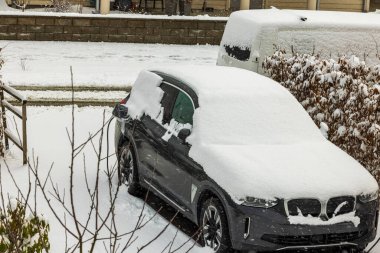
311 170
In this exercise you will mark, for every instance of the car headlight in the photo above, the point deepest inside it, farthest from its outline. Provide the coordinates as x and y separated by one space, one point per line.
365 198
262 203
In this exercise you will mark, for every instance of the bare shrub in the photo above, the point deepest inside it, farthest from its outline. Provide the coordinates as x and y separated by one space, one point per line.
82 233
99 226
59 6
20 4
2 147
23 63
342 97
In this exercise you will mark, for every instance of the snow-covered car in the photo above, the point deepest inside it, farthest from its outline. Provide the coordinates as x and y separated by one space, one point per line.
238 155
252 35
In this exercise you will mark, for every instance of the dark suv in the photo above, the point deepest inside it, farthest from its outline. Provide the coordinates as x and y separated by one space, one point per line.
164 143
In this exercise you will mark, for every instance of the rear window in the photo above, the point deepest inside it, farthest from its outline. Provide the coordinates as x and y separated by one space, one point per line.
240 53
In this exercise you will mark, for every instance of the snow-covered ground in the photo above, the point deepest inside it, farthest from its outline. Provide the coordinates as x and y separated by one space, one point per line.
94 64
4 6
97 64
48 141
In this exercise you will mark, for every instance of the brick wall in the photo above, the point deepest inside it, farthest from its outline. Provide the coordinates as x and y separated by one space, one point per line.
167 31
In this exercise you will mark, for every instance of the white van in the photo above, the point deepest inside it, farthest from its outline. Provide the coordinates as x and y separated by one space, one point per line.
252 35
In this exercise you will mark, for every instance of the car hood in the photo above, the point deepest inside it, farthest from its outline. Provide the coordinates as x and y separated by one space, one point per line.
307 170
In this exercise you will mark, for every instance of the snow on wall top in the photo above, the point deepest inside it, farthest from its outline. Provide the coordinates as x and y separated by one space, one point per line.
13 12
237 33
254 139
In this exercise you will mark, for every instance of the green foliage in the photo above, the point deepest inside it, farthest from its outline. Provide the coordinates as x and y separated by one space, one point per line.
21 234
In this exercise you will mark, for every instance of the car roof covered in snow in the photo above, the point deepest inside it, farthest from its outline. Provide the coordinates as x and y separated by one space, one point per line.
233 98
215 80
244 26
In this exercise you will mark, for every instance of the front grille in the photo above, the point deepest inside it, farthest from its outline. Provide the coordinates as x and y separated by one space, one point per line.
306 240
314 207
305 206
340 205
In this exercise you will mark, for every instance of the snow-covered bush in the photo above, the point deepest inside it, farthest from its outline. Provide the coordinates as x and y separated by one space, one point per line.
342 97
22 233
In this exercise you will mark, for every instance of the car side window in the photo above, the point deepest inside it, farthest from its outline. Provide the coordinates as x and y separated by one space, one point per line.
167 102
183 109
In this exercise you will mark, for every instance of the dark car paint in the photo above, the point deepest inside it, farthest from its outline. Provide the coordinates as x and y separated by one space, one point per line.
168 168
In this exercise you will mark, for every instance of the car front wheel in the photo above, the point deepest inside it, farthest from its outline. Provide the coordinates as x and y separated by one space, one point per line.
127 172
215 233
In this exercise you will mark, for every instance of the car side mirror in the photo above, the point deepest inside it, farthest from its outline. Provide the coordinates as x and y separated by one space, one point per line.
120 111
183 134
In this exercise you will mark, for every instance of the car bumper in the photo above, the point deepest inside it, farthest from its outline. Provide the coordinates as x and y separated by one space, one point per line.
269 230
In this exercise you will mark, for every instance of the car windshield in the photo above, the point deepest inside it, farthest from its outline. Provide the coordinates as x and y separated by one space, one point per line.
245 119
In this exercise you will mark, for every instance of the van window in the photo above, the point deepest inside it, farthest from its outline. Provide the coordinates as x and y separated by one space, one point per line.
183 110
242 54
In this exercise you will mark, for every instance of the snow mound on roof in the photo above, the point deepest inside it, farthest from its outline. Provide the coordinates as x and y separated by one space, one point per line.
145 96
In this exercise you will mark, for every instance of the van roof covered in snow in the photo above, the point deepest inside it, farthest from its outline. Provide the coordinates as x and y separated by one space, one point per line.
244 26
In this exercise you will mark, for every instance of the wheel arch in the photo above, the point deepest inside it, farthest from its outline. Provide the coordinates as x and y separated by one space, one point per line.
206 193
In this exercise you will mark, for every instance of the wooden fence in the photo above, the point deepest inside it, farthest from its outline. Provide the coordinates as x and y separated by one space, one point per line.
9 135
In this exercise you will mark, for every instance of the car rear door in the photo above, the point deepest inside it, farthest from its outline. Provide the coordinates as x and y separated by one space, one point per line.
148 135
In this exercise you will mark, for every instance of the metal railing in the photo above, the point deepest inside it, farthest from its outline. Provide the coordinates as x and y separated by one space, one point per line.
19 113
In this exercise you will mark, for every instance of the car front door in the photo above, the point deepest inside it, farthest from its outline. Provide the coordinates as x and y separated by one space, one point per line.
174 167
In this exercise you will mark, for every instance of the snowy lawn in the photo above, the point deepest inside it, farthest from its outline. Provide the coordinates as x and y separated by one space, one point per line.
49 142
97 64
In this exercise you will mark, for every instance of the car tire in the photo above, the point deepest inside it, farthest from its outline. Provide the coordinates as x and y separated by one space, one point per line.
214 227
127 170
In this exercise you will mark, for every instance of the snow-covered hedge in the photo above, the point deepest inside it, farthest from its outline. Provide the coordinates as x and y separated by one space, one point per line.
342 97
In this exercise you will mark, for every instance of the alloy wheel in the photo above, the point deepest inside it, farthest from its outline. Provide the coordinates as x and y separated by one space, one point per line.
127 166
212 228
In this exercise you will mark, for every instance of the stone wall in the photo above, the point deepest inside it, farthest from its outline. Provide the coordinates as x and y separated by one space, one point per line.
167 31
